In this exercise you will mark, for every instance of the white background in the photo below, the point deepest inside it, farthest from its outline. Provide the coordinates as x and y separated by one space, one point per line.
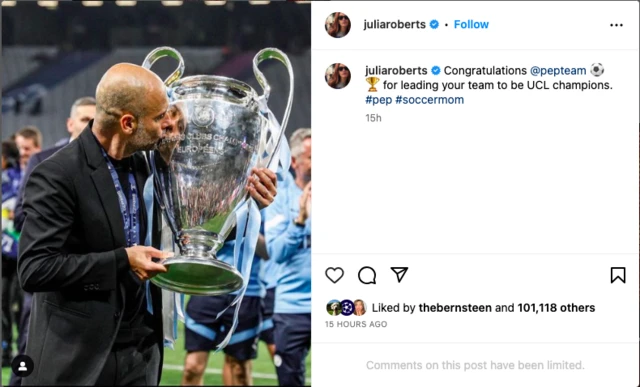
515 196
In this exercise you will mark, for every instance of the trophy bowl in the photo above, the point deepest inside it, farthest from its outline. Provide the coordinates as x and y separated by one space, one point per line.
201 168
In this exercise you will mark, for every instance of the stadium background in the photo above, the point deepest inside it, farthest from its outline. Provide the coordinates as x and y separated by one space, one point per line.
54 52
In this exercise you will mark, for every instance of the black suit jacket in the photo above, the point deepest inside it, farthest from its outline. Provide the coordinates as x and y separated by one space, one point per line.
18 213
71 251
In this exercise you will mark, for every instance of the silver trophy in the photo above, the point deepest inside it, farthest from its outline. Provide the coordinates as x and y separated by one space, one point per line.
221 129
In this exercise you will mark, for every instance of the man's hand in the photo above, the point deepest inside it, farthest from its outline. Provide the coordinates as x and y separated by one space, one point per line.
140 260
305 205
262 186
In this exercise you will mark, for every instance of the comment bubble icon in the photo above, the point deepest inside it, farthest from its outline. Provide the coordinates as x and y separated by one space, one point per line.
367 275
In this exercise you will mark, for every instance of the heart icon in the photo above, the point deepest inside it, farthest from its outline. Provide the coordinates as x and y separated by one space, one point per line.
334 274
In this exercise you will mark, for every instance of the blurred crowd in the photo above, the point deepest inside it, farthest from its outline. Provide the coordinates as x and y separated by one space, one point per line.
236 25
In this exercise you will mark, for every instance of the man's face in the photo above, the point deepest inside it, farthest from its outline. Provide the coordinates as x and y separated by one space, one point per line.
302 163
80 119
151 127
173 130
26 147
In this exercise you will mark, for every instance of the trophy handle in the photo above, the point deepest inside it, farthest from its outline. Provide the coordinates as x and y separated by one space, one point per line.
160 190
273 145
161 52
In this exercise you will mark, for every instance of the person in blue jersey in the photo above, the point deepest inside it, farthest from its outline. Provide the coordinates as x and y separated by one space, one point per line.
288 236
269 278
203 332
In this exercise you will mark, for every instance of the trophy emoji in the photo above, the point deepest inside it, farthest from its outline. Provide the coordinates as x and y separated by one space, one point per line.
201 171
372 81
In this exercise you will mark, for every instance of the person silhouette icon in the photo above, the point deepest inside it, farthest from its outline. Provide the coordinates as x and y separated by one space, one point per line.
22 366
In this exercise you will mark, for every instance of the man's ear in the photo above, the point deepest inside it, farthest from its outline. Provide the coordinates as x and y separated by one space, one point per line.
128 124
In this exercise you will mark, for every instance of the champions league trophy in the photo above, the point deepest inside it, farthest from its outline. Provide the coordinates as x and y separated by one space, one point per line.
221 129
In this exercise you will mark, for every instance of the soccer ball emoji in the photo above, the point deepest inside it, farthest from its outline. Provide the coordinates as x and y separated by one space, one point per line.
597 69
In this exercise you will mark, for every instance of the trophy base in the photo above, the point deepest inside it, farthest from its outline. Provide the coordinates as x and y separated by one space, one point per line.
199 276
372 89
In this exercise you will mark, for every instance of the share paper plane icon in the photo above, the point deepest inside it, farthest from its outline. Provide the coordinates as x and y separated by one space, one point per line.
400 272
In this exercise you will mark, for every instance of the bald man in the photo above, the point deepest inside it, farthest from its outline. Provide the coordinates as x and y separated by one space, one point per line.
81 249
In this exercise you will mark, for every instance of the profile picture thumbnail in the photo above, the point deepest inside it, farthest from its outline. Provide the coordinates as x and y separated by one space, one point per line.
334 307
360 308
338 75
337 25
347 307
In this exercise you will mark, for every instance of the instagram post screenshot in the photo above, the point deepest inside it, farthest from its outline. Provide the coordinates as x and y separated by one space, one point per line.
477 193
